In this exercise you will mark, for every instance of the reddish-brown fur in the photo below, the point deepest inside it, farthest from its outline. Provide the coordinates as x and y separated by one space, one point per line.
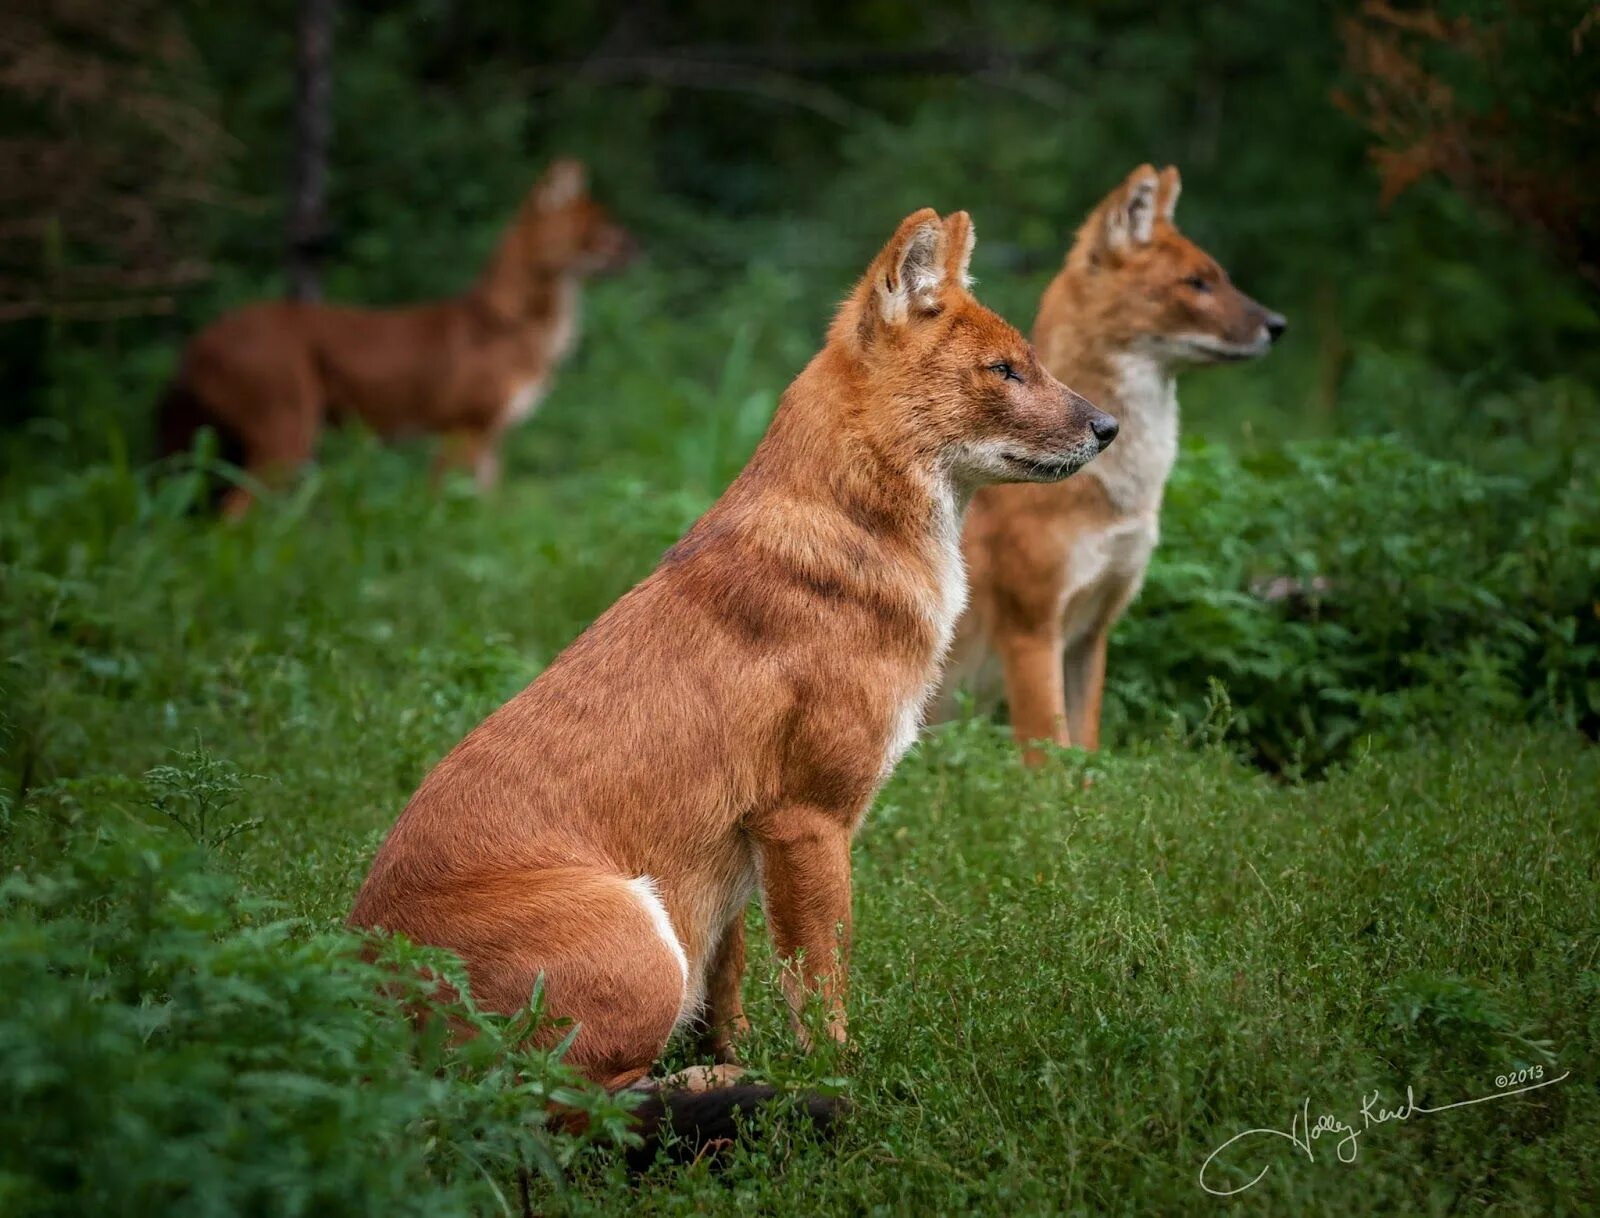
723 727
1053 567
269 375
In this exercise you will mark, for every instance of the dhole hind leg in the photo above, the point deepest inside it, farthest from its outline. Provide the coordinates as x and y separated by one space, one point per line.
723 1021
972 674
266 466
280 437
1084 679
703 1078
604 946
486 463
1032 662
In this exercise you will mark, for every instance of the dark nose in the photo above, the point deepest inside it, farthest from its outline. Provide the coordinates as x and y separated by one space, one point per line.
1276 325
1104 427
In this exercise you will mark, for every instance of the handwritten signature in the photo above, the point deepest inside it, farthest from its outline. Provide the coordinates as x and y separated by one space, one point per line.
1305 1130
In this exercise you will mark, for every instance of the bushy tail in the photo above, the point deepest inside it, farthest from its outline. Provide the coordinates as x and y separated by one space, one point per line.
704 1122
178 416
181 414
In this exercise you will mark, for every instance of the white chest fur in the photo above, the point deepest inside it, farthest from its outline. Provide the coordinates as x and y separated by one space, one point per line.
522 401
951 569
945 611
563 333
1134 469
1107 563
553 343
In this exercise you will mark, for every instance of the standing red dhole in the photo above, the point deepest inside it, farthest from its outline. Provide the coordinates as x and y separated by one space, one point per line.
1053 567
268 376
721 730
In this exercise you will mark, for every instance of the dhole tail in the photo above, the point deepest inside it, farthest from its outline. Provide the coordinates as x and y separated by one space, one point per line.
706 1122
180 416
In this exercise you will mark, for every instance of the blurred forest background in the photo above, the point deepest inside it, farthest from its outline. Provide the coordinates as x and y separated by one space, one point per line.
1413 184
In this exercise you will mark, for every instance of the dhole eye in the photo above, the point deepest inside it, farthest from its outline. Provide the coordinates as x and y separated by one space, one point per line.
1198 283
1006 370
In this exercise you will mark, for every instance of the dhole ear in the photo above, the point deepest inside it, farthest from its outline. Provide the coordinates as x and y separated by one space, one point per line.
1167 192
564 182
910 272
1131 211
959 236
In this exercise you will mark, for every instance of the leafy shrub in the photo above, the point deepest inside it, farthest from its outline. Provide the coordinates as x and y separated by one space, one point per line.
1351 589
168 1046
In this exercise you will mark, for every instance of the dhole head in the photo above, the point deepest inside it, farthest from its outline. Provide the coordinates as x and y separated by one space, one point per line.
1161 291
949 380
564 229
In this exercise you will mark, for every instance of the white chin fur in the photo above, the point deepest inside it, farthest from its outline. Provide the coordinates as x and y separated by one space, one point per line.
1203 349
995 461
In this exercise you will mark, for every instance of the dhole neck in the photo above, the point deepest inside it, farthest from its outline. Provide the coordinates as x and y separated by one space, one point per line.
1089 339
515 290
820 498
889 494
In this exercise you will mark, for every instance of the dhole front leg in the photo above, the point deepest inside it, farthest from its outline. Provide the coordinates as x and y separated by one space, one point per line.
805 886
1032 663
486 463
475 450
724 1020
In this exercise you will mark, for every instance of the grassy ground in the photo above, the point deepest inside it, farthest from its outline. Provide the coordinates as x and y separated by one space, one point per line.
1066 994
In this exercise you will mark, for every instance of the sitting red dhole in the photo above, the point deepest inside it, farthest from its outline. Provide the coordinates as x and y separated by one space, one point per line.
722 729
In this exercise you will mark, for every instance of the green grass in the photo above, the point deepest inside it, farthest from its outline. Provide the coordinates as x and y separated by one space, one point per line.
1066 993
1065 997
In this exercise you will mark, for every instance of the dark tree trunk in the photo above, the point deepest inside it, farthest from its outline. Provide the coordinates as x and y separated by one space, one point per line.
313 127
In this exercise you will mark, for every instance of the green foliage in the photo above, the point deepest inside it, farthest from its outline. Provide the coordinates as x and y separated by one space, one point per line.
444 115
195 793
171 1046
1493 96
1178 952
1353 591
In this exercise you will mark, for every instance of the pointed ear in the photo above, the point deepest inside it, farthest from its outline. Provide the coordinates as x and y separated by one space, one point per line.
1167 192
909 273
1130 211
564 182
959 236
